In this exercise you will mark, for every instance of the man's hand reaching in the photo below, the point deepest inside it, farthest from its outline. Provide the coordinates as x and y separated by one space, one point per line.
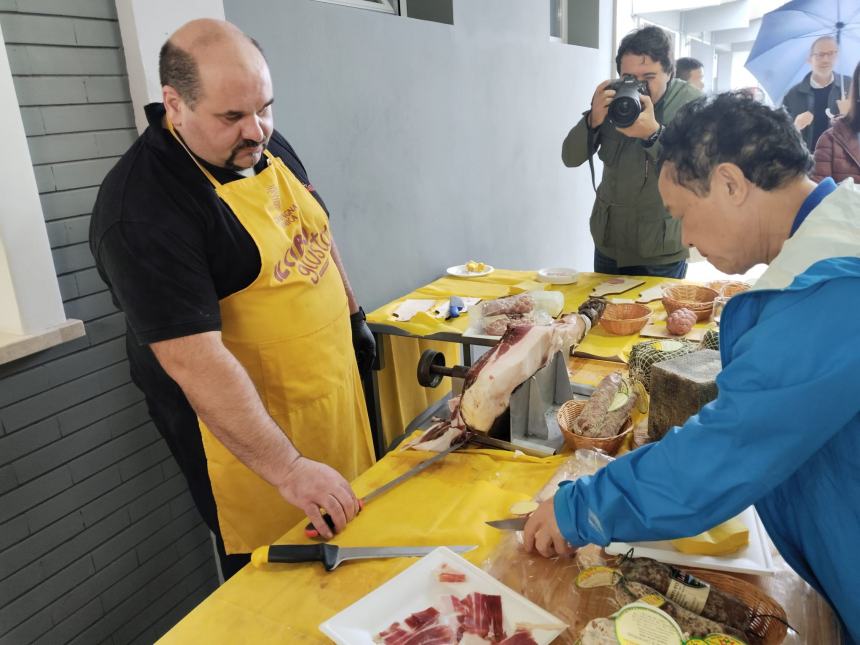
543 535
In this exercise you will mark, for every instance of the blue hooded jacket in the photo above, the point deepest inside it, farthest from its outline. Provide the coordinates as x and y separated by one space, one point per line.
783 434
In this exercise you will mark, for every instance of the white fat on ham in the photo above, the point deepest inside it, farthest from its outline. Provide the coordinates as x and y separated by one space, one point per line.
437 438
520 353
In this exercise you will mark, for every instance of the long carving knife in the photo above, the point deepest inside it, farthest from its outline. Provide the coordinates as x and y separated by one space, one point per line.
311 531
332 555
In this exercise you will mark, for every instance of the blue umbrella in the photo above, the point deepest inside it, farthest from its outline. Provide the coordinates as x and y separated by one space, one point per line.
781 50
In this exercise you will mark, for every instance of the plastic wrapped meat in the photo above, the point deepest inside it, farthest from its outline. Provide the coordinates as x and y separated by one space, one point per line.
519 304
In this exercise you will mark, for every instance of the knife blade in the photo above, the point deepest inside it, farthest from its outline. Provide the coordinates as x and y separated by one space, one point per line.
310 530
511 524
332 555
492 442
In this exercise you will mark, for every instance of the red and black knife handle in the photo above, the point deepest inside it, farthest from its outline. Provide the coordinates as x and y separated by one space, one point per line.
311 531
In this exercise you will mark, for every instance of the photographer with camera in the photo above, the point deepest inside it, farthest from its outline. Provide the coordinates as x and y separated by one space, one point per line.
633 234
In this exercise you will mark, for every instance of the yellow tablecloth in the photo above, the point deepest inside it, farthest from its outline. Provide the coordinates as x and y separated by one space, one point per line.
445 505
401 398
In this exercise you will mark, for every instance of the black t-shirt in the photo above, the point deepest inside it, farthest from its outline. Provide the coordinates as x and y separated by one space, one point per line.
820 121
168 248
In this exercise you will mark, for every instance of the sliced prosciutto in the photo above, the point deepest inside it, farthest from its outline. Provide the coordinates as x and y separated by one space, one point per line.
480 614
450 574
426 634
419 619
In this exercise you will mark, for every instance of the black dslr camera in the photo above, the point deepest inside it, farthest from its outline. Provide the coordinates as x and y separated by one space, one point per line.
626 106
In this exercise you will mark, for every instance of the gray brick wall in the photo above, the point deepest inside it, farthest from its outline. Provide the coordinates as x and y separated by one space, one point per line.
99 538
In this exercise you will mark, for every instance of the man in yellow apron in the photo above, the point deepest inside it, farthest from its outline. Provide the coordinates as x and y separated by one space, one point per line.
220 252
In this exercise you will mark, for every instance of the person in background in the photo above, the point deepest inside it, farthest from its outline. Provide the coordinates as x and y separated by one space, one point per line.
818 97
691 70
784 431
837 153
243 332
633 234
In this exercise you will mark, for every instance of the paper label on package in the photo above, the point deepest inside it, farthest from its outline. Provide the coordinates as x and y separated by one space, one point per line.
688 591
407 309
597 577
640 624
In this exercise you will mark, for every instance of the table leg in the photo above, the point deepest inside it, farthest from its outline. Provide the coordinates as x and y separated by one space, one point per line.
370 383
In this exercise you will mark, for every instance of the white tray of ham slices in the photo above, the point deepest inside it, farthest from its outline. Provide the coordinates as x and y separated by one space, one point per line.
399 610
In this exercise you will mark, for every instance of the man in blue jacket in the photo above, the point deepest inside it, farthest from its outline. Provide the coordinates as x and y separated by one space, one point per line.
784 432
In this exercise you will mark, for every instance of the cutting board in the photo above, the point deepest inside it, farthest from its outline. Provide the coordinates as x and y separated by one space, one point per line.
658 330
653 293
615 285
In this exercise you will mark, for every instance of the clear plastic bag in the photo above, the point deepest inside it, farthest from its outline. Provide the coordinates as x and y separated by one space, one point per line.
493 317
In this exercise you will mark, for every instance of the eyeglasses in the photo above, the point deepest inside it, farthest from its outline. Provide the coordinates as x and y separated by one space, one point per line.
830 54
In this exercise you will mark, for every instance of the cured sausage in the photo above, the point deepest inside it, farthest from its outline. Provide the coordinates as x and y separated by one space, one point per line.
688 591
596 420
695 625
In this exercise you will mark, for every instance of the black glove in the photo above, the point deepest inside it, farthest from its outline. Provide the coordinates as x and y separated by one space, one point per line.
362 342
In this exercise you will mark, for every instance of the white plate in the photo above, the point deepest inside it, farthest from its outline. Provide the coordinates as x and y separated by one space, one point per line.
557 275
460 271
418 588
755 559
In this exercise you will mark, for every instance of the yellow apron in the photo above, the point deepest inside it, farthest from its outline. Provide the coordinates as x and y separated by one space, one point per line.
290 330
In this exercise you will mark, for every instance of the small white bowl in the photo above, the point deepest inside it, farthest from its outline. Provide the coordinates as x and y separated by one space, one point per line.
557 275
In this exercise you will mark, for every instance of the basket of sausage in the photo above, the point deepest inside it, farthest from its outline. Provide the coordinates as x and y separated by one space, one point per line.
603 421
703 602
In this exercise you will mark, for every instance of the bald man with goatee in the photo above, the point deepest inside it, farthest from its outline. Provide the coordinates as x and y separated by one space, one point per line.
242 329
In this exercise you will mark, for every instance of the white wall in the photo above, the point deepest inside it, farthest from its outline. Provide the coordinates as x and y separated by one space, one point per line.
145 25
29 294
434 144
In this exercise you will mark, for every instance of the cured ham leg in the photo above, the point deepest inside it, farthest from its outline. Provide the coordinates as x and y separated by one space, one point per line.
520 353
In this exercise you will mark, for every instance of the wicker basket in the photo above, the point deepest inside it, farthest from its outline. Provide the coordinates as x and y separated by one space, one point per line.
567 414
699 300
727 288
768 613
624 319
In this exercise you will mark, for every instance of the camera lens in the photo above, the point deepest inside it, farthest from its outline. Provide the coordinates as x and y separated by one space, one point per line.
624 110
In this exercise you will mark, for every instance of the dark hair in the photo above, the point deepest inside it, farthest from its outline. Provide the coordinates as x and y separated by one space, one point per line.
852 118
177 68
733 128
683 67
649 41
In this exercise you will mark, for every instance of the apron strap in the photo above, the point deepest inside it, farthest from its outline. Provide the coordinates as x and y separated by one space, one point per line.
208 174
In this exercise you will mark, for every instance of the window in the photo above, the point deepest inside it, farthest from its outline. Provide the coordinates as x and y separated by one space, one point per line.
386 6
575 23
558 20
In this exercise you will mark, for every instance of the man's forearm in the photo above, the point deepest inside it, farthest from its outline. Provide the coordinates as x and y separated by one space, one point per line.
224 397
574 150
350 296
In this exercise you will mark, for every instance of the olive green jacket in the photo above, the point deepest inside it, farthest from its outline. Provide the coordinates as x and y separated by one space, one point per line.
628 221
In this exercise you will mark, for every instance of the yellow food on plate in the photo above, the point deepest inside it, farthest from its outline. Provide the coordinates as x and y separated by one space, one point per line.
728 537
524 508
475 267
